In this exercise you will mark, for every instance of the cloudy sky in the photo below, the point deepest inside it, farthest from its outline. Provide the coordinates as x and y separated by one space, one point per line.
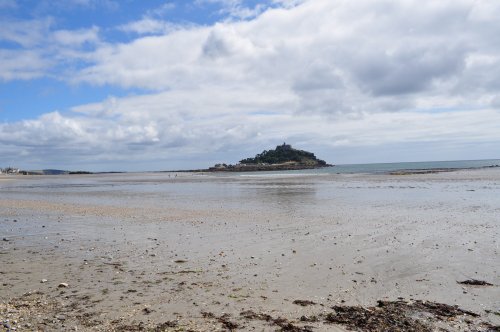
154 85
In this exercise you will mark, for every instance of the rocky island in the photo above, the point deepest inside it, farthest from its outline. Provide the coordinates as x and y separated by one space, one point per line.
284 157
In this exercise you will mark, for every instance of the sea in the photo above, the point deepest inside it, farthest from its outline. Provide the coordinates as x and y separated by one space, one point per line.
289 193
380 168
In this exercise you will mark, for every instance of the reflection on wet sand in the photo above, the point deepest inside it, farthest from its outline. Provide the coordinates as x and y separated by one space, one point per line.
199 252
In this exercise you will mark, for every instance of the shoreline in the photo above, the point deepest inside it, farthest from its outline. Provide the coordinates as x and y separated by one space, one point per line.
263 168
438 170
141 251
272 168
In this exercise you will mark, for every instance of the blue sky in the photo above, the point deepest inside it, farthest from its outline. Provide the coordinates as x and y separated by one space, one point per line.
21 99
147 85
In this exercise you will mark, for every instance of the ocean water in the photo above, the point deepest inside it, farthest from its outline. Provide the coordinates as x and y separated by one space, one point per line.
290 194
377 168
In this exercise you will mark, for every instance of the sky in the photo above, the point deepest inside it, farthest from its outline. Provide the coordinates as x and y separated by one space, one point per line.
136 85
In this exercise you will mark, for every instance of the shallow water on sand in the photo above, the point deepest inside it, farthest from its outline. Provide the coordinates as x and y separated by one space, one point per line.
254 241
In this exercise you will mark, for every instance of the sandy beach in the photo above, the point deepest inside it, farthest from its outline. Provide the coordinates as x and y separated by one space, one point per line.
208 252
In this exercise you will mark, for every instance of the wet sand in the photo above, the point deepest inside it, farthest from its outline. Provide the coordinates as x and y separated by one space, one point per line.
210 252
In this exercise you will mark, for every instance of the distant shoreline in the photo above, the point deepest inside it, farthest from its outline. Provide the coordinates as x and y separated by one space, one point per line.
272 168
343 169
436 170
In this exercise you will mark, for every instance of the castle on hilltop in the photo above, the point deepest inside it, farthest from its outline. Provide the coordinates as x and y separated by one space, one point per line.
284 147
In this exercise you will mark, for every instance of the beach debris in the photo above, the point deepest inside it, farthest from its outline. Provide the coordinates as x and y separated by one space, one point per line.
147 311
438 309
180 261
309 318
224 320
249 314
363 319
304 303
181 272
413 316
206 314
63 285
113 263
497 313
394 316
283 323
43 281
5 239
165 325
474 282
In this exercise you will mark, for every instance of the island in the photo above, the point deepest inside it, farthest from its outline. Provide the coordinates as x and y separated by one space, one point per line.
284 157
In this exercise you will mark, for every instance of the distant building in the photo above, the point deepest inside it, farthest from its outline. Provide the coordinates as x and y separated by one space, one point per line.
10 170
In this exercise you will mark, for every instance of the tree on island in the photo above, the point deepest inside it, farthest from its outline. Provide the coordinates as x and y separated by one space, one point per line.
282 154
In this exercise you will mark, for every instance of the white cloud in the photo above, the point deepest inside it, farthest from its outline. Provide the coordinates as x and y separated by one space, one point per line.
288 3
361 75
152 22
38 36
37 49
149 25
22 65
29 33
165 8
76 37
207 124
374 48
236 9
